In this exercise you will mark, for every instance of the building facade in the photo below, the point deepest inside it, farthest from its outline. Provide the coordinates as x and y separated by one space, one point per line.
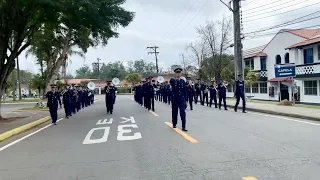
285 48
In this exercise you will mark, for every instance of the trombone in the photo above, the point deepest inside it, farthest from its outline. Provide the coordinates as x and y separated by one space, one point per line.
63 92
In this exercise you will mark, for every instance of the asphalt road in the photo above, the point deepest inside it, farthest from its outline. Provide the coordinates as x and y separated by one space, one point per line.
219 145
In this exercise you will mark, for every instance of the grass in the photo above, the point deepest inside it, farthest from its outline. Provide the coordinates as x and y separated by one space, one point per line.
10 100
277 103
31 109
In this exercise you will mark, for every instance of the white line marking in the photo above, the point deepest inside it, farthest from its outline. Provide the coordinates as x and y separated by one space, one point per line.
21 139
288 119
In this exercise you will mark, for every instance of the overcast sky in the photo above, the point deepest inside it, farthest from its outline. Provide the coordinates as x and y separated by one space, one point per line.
170 24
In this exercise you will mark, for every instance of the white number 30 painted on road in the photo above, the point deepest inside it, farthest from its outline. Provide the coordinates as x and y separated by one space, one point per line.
122 131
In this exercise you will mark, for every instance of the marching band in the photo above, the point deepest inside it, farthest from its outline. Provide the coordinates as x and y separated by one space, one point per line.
74 98
166 92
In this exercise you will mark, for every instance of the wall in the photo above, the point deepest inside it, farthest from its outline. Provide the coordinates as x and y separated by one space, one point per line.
277 46
309 98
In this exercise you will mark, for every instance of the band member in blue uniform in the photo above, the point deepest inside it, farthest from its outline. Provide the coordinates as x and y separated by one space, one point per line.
140 93
144 89
190 92
178 99
110 97
213 89
66 99
84 96
204 90
222 88
169 93
152 86
53 103
198 92
79 102
239 93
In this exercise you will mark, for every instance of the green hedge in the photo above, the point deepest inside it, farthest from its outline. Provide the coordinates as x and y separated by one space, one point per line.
124 89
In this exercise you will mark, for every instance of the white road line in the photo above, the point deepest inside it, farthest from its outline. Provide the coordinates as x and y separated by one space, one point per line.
24 137
284 118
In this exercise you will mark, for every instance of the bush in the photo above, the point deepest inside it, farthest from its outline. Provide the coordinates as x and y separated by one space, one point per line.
124 89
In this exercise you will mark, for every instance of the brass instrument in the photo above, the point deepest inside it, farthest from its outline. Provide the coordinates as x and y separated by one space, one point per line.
63 92
75 93
215 87
108 89
225 84
206 90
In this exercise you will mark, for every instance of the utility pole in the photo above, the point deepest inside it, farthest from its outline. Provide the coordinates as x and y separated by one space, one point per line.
237 36
155 52
19 82
98 64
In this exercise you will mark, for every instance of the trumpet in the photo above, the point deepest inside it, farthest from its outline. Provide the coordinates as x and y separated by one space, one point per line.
63 92
75 93
206 89
107 90
225 84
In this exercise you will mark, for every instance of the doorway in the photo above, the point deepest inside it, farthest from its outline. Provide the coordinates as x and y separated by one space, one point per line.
284 91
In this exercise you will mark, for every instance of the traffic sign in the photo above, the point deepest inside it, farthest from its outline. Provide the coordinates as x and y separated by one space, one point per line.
285 70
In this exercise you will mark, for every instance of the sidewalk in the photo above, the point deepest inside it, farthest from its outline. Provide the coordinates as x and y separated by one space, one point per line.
25 121
289 111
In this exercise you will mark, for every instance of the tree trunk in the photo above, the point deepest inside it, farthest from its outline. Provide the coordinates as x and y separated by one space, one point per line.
52 76
19 82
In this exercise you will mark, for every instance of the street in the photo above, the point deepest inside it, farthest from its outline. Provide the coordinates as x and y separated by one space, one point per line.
136 144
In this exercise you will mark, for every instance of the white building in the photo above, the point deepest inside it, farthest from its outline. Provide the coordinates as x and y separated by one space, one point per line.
307 56
262 59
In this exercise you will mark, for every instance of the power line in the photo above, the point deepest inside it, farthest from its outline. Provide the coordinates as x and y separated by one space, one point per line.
187 13
276 9
273 33
250 10
185 5
283 12
260 6
192 18
286 23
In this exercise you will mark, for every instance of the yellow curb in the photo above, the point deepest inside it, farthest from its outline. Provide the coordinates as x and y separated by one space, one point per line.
23 128
26 110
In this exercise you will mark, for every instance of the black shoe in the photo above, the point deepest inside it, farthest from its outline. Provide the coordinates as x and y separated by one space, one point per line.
184 129
174 126
67 117
54 123
244 112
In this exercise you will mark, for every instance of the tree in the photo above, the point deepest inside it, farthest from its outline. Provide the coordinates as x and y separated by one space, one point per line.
133 78
84 72
215 36
38 82
81 24
250 77
197 52
174 66
112 70
19 20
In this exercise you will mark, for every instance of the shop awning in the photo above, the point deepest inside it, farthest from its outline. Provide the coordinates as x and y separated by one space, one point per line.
281 79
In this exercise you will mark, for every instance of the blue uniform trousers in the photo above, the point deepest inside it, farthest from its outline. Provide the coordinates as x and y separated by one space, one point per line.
178 103
53 113
238 96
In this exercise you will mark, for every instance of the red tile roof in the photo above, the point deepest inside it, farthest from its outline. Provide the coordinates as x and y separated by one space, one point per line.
305 33
254 52
280 79
306 42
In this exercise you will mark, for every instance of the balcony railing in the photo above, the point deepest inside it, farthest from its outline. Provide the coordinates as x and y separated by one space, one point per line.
263 74
308 70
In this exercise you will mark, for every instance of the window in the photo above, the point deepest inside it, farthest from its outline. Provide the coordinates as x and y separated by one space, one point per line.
255 88
248 89
310 88
249 63
263 88
278 59
308 56
319 52
286 58
229 88
263 63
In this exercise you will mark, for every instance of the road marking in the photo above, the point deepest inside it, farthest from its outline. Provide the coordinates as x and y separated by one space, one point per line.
104 138
21 139
185 135
249 178
155 114
287 119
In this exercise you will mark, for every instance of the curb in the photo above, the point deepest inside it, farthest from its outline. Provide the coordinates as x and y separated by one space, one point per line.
23 128
21 110
279 113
